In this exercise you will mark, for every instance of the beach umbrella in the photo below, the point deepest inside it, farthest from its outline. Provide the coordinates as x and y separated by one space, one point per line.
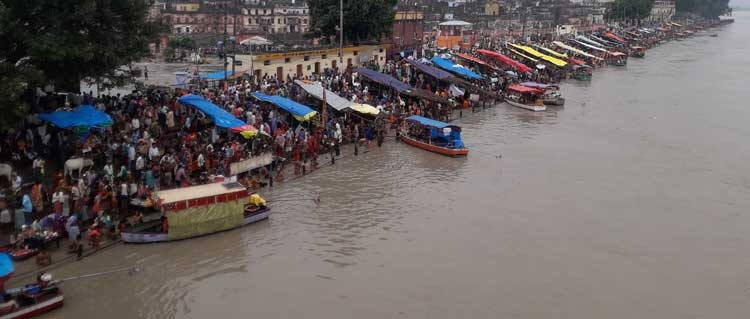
6 265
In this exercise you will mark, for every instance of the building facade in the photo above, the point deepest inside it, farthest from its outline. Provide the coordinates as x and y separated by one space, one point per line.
309 62
408 30
662 10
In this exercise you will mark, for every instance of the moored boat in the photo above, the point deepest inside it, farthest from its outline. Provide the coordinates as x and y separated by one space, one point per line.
33 300
196 211
434 136
525 97
551 95
582 72
637 51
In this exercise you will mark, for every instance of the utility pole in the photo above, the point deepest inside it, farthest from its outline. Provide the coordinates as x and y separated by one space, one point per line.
226 39
341 33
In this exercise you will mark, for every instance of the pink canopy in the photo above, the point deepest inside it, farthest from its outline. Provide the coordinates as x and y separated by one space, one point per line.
518 65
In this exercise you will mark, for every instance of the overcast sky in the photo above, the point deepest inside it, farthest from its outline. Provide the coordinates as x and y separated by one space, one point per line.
739 3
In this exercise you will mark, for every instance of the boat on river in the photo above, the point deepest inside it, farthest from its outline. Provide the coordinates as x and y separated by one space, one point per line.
582 72
434 136
618 58
637 51
525 97
196 211
31 301
551 95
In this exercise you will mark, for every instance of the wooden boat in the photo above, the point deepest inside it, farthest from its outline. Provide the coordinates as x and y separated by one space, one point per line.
637 51
23 254
582 72
196 211
551 95
619 58
434 136
525 97
31 301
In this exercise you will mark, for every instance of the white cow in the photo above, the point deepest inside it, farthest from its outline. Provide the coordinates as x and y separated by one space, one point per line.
6 170
76 164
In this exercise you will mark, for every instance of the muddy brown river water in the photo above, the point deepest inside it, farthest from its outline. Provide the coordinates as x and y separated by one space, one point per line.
629 202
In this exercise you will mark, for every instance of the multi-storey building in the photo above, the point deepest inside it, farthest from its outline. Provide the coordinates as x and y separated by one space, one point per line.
662 10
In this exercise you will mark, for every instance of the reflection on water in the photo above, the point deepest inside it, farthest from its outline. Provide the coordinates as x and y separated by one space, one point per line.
629 202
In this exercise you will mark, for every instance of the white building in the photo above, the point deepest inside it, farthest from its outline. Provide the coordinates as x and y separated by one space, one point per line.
662 10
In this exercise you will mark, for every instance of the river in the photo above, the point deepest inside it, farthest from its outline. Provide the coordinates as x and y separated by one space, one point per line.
629 202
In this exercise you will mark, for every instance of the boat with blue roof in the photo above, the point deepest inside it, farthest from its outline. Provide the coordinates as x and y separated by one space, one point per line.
434 136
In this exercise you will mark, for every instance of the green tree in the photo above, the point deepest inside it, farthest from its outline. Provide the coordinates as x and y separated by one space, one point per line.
178 47
630 9
705 8
65 41
363 19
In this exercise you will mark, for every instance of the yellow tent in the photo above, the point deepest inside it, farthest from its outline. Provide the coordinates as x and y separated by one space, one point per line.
365 109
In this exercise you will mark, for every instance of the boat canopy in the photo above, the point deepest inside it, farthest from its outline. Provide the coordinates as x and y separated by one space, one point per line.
614 37
576 61
593 47
448 135
555 53
455 68
430 70
575 50
523 55
384 79
615 53
524 89
590 41
194 192
429 122
299 111
637 47
538 85
517 65
475 60
540 55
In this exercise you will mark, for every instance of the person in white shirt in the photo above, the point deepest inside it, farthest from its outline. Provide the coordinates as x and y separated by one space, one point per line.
109 172
135 123
131 155
140 163
153 152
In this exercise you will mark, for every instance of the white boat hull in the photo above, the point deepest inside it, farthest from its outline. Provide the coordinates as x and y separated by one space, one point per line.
535 108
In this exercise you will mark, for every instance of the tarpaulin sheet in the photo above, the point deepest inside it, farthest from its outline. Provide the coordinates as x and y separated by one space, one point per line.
218 75
455 68
540 55
220 117
82 115
384 79
430 70
299 111
332 99
205 219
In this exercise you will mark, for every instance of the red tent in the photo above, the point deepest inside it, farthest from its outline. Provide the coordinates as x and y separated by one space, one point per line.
518 65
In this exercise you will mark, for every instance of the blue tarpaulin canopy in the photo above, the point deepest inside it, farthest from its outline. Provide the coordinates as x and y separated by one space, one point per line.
218 75
299 111
455 68
428 122
81 120
220 117
384 79
430 70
